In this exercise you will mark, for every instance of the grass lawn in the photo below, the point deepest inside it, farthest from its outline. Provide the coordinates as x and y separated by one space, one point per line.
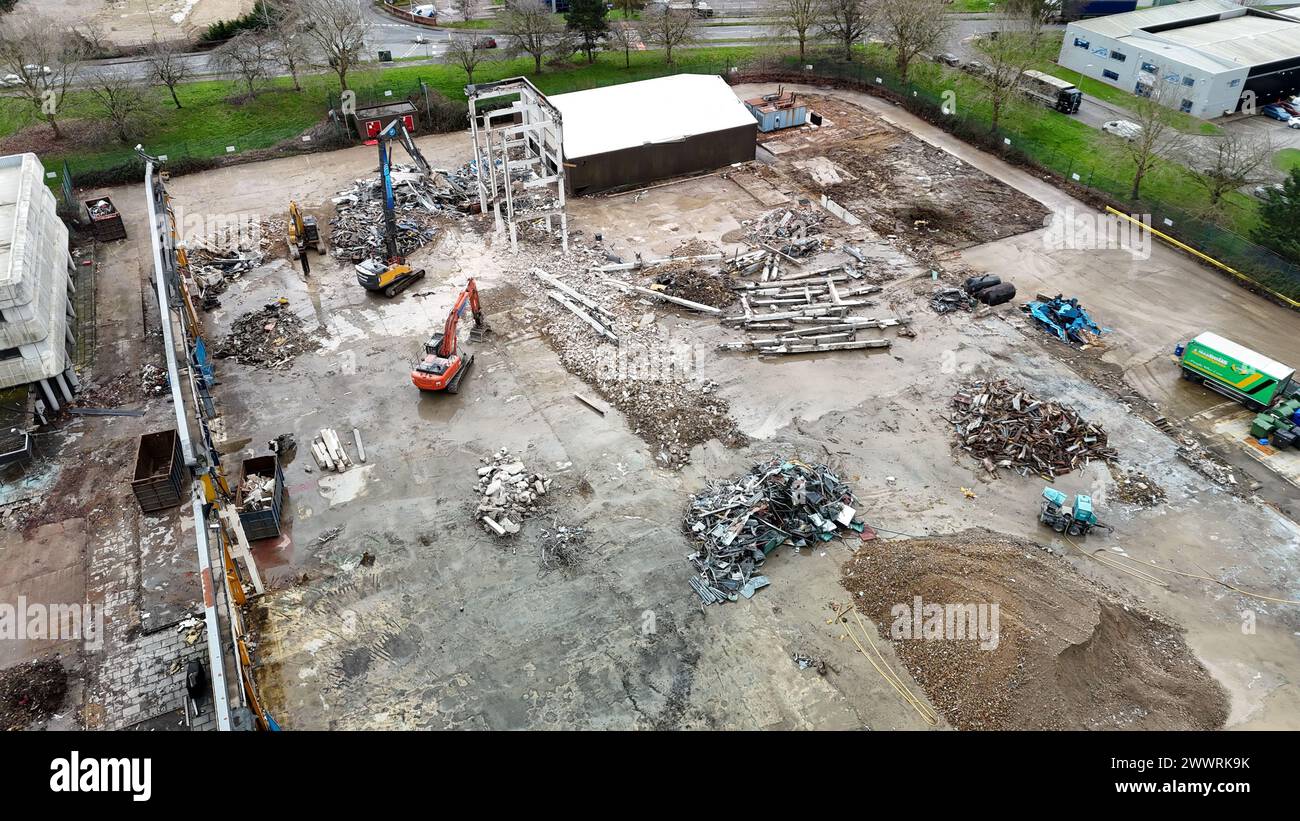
970 6
1287 159
210 121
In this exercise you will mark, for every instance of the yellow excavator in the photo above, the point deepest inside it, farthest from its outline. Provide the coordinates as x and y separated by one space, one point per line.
303 233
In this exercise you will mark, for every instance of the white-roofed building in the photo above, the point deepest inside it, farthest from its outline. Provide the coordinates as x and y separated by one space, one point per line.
37 320
1204 56
631 134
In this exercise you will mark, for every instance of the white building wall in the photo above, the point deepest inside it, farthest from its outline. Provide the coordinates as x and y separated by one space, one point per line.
1212 93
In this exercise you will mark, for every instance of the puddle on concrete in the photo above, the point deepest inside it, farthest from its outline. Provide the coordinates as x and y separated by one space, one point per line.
339 488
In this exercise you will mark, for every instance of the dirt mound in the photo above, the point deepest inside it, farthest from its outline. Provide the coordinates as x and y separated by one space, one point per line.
31 692
1064 652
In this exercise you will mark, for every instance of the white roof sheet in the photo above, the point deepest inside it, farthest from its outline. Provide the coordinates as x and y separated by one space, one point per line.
1246 356
1119 25
662 110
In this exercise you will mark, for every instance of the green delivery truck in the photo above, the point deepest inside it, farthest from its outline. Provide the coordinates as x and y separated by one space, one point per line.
1235 371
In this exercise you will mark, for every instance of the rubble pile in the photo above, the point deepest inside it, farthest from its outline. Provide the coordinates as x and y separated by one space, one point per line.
795 232
1005 426
561 547
225 255
947 300
741 521
256 492
645 373
705 287
509 493
153 380
269 338
1136 488
357 228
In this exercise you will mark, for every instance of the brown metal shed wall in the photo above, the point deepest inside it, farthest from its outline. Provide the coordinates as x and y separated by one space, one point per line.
646 163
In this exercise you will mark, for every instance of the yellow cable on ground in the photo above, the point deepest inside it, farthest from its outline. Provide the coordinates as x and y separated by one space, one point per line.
1106 560
922 709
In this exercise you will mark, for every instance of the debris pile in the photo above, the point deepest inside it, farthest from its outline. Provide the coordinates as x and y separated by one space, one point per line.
225 255
742 520
30 693
256 492
947 300
509 493
1005 426
153 380
269 338
331 453
561 547
357 231
1136 488
805 311
1065 319
794 232
705 287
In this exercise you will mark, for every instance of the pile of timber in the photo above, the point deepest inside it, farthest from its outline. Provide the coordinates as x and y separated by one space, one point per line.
330 452
1005 426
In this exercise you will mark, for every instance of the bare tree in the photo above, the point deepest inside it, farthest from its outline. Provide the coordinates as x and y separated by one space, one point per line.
797 19
95 36
1157 136
844 21
121 102
244 56
669 28
1230 161
168 67
292 48
530 28
1009 51
466 52
45 57
624 37
912 27
465 8
339 29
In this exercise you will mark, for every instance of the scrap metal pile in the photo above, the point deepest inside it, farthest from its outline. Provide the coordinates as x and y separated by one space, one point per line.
356 231
805 311
1065 319
509 493
561 547
795 232
741 521
1005 426
224 256
269 338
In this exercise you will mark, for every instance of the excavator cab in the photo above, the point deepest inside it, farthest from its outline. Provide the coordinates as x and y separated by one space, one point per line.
304 233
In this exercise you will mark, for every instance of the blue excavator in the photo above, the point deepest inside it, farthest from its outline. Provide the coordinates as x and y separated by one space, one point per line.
391 275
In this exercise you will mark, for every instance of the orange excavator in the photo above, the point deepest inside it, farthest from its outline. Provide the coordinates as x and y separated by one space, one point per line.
443 365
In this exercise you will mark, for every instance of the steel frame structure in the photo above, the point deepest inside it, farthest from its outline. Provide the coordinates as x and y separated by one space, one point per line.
529 123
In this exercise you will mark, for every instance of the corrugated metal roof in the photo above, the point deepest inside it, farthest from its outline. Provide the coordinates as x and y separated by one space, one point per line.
1121 25
662 110
1243 40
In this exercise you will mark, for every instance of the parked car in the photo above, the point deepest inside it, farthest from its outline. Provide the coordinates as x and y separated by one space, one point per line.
948 59
32 68
1123 129
10 80
1261 191
425 11
976 68
1289 107
487 42
1276 112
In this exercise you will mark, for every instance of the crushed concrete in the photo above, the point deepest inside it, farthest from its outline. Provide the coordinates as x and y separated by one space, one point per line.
509 494
1067 654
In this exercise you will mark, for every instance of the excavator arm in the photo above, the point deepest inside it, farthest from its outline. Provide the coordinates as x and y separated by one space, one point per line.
468 299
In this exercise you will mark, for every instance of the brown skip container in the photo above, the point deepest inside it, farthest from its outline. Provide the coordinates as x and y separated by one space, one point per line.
107 225
159 481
